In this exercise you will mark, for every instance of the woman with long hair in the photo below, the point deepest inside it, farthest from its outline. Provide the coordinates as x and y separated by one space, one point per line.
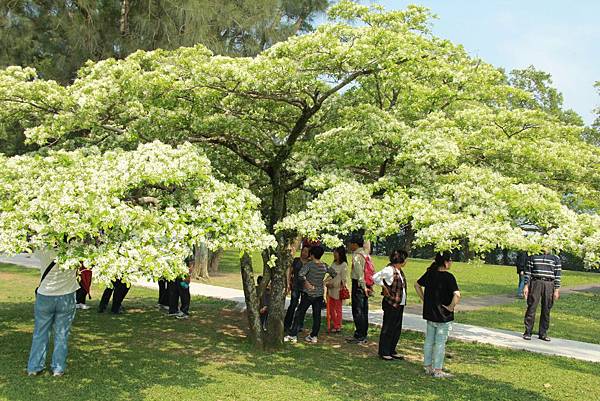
440 297
334 302
393 282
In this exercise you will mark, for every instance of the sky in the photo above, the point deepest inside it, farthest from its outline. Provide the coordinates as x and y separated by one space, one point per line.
557 36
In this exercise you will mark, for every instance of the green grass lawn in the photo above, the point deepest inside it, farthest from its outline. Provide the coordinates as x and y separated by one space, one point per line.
144 355
574 316
473 279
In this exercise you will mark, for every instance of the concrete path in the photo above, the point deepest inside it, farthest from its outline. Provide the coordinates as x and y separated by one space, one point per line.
413 322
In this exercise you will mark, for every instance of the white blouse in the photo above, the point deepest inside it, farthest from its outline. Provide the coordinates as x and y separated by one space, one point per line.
387 274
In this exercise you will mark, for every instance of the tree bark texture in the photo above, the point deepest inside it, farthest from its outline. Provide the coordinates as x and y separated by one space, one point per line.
200 270
252 310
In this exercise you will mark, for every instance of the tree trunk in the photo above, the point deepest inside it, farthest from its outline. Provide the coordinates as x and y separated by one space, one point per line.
278 276
124 21
200 270
295 245
252 311
505 260
278 273
215 259
409 237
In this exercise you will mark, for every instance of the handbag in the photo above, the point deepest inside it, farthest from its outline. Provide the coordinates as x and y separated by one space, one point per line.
50 266
344 293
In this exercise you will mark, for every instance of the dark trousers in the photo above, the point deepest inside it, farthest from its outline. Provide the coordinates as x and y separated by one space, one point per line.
80 295
176 293
163 294
291 311
316 303
539 291
360 311
391 328
263 320
120 291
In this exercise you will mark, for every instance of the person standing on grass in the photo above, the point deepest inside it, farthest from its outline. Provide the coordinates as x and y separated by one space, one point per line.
334 303
440 297
295 288
542 283
163 295
311 275
118 292
393 282
179 290
521 264
360 291
85 285
54 309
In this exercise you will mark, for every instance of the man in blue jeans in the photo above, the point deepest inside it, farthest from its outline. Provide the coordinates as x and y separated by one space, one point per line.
54 309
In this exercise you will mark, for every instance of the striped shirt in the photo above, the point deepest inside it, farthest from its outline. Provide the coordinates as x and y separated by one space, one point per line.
543 267
315 273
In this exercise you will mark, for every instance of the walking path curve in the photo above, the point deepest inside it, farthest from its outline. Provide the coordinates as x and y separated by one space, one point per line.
413 322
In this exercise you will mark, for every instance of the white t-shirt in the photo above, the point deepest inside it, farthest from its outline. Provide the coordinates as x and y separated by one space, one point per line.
57 282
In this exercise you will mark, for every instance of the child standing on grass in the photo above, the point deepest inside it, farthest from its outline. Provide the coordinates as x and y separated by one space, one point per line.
440 297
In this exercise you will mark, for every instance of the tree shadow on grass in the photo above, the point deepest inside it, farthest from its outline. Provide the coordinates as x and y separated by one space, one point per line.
112 356
145 355
364 377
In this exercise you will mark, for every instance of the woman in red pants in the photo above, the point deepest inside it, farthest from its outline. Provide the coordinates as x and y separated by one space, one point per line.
334 302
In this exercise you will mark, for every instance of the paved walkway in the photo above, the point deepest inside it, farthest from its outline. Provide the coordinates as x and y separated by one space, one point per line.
463 332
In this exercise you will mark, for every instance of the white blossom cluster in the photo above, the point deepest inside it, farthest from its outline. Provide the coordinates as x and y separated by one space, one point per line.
126 214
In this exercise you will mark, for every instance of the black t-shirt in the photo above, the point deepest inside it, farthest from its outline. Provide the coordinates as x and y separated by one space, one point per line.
439 290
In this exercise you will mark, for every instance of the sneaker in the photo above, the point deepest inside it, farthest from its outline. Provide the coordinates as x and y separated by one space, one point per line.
440 374
176 314
182 316
58 374
311 339
290 339
428 370
39 372
545 338
526 336
82 306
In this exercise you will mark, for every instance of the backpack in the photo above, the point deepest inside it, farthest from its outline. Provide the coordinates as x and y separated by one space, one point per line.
369 271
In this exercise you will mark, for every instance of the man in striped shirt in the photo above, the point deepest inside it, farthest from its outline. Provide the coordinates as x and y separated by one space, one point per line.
542 283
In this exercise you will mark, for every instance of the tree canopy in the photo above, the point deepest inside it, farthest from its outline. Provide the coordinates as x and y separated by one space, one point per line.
370 122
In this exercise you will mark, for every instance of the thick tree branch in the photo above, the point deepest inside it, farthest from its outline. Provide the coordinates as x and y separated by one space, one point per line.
232 146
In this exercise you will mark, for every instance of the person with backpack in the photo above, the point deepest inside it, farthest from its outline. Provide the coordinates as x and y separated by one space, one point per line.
362 288
393 283
439 299
311 275
54 310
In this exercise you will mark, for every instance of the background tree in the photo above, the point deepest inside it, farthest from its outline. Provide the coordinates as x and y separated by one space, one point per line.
57 37
375 126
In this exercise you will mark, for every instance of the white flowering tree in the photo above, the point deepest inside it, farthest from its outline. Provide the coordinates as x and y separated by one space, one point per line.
376 125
